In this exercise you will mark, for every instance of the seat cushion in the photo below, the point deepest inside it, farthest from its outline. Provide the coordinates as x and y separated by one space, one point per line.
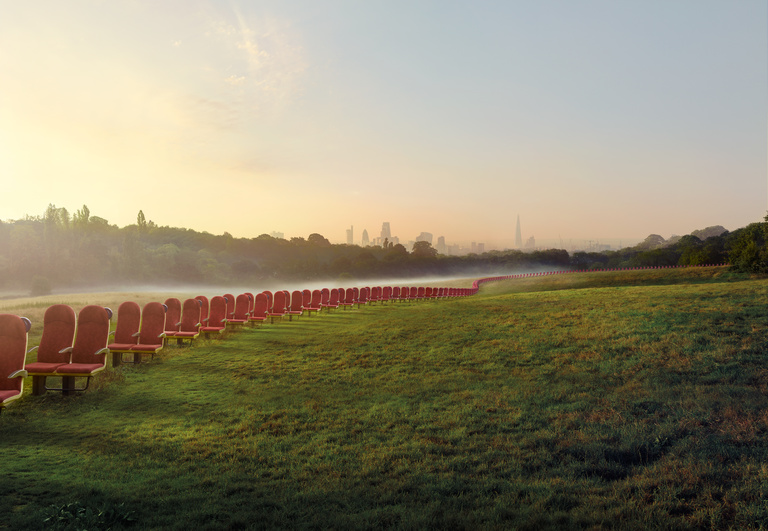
146 348
80 368
7 396
40 367
120 346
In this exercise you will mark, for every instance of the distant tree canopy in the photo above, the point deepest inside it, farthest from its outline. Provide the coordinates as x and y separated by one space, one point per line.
748 251
56 251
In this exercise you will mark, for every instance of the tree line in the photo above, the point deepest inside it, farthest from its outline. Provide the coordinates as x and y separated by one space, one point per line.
62 251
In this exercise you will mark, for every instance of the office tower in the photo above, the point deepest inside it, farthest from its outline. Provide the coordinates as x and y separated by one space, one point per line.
441 245
424 237
385 232
518 235
480 248
350 235
365 241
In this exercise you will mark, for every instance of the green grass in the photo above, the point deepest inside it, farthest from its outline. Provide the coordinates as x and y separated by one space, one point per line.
539 403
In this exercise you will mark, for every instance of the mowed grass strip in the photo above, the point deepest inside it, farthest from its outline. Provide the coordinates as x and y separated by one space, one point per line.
622 406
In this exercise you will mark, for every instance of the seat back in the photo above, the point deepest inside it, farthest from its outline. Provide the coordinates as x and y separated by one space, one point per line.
13 350
152 324
297 301
173 315
349 296
230 305
413 292
306 298
250 302
204 308
58 333
260 306
269 296
420 292
334 297
362 296
190 315
427 292
217 315
325 296
128 322
316 300
242 307
386 293
92 335
278 303
375 294
356 291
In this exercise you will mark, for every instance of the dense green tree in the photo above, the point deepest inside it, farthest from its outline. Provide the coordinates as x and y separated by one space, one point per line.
423 250
748 251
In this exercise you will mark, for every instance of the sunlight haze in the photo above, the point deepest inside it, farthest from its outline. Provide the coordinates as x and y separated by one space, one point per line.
591 120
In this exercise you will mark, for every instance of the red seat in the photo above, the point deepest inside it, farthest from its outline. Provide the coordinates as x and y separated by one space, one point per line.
259 314
297 305
278 306
349 298
55 345
386 293
405 294
252 300
126 331
230 305
13 353
152 331
314 304
217 317
172 316
189 328
242 310
362 296
204 308
269 296
89 352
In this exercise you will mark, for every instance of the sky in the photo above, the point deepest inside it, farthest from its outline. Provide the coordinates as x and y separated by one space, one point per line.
592 120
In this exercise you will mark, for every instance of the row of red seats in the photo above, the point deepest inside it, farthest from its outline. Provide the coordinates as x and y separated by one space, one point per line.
77 347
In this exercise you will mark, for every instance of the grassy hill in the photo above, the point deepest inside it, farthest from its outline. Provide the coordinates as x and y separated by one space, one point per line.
601 400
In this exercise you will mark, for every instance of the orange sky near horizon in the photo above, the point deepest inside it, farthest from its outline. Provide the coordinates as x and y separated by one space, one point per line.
597 121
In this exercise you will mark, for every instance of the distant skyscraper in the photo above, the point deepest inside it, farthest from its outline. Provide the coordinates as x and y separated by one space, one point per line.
424 237
385 233
480 248
441 245
518 235
350 235
366 241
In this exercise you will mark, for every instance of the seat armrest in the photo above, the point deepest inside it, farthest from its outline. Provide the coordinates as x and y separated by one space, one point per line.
101 351
178 324
112 333
21 373
137 334
65 350
32 349
161 335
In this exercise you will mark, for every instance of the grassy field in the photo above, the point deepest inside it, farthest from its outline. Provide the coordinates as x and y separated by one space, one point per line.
628 400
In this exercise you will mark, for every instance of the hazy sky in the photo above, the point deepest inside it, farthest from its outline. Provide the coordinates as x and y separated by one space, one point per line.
591 120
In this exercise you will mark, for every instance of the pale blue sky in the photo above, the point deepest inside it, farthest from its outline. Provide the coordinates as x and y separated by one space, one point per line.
590 119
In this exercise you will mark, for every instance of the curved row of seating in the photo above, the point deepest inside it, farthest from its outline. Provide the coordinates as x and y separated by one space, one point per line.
71 348
77 347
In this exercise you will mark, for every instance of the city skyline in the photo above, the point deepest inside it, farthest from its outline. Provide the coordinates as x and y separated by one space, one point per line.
592 121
